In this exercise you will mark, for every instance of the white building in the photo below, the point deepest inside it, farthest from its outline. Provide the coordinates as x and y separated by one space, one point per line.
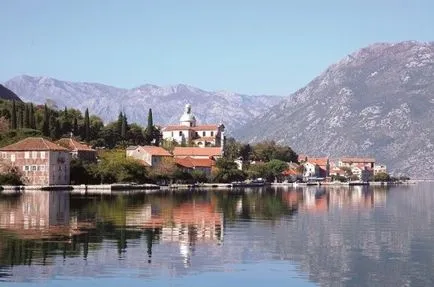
188 132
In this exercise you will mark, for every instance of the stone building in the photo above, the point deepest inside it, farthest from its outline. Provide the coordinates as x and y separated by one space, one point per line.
41 161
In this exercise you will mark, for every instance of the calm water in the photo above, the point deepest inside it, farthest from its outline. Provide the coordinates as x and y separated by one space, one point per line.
275 236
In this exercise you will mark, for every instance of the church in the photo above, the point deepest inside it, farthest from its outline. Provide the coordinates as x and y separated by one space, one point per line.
189 133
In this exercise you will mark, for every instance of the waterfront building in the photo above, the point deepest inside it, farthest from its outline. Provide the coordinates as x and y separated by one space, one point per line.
187 132
380 168
77 149
189 164
148 155
41 161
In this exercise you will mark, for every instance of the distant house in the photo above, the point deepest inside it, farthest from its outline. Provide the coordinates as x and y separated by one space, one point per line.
356 161
322 163
190 164
78 150
380 168
198 152
149 155
188 132
41 161
310 170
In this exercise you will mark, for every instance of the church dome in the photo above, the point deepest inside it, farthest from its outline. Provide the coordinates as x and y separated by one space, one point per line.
187 116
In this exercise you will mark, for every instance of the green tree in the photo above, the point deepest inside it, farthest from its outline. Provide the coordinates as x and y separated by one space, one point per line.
20 118
27 117
75 129
227 171
124 127
86 128
382 176
32 117
149 131
55 131
46 122
14 116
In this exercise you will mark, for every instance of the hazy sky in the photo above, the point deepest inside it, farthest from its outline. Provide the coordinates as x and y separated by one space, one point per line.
247 46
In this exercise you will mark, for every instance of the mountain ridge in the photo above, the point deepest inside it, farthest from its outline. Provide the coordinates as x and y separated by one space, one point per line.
166 101
376 101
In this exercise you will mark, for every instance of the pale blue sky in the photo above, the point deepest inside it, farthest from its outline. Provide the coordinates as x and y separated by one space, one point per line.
247 46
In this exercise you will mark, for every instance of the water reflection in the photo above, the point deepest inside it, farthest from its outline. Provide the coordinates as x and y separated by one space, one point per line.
360 236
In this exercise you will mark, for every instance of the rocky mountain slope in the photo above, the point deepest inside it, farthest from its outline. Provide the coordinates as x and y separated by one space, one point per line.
6 94
167 103
377 101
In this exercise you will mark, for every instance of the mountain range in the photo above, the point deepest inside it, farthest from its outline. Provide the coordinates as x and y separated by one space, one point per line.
167 103
378 101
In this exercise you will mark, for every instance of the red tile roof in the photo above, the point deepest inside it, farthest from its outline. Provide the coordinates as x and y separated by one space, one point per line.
73 145
197 151
321 161
206 128
33 144
155 150
189 162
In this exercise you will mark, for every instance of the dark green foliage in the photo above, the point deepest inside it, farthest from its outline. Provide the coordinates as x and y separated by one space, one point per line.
26 116
75 129
14 116
46 123
32 117
86 126
382 176
55 131
20 119
227 171
10 178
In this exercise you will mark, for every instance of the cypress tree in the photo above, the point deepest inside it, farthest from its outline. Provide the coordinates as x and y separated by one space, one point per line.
54 127
86 125
14 116
119 124
149 132
26 116
66 126
32 117
20 119
46 122
75 130
124 127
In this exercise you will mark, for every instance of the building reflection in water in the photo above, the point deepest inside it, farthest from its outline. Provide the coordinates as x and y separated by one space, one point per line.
36 215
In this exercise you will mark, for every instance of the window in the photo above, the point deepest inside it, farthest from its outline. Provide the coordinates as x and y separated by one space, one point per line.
203 134
26 168
42 167
43 154
27 155
180 133
12 157
172 134
4 155
212 134
34 168
34 154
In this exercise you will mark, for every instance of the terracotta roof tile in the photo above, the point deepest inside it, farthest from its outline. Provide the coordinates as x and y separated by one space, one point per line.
33 144
194 162
197 151
72 145
204 139
206 128
155 150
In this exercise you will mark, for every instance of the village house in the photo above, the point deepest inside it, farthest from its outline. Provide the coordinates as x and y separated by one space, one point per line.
357 161
188 132
380 168
41 161
198 152
148 155
78 150
315 166
189 164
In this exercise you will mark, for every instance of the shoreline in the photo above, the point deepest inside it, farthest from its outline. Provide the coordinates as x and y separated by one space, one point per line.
152 188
